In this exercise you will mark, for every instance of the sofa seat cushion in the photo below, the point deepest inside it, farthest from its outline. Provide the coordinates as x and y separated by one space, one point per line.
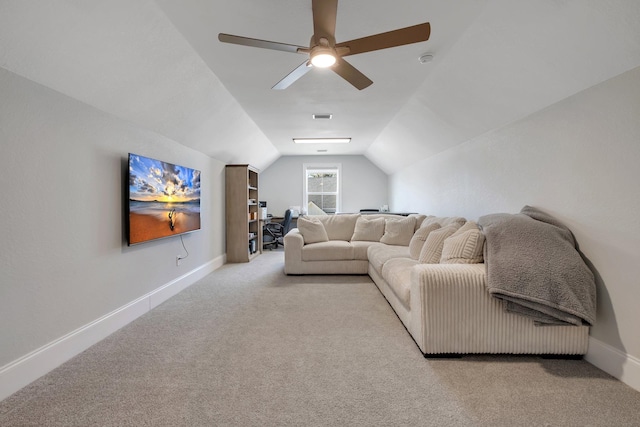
379 254
360 249
397 273
333 250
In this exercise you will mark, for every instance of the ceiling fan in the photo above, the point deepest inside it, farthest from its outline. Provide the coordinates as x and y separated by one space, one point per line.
323 50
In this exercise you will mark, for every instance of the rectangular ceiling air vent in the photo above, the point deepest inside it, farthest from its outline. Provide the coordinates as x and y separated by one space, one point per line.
322 116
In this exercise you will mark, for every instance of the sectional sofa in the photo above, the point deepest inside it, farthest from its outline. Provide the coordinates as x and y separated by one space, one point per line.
431 271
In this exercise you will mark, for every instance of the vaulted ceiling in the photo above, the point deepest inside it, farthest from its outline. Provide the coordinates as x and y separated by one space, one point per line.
159 64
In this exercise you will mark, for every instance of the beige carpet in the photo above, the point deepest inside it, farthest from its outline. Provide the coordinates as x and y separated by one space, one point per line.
250 346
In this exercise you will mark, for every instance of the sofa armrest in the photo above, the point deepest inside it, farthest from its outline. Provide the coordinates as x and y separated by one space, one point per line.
435 275
450 284
453 312
293 243
444 298
295 238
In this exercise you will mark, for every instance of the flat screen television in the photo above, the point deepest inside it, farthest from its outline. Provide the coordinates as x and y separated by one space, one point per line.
164 199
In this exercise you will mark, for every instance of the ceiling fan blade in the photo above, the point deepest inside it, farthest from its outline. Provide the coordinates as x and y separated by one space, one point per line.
264 44
351 74
400 37
300 71
324 19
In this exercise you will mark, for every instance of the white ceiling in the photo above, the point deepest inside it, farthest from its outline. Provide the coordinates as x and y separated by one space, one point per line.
159 64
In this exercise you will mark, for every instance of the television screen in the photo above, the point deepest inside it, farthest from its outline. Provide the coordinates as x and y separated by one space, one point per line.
164 199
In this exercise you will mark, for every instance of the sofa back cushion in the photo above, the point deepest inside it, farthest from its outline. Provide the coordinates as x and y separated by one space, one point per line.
339 226
419 218
444 220
368 229
465 246
418 239
398 231
312 230
432 249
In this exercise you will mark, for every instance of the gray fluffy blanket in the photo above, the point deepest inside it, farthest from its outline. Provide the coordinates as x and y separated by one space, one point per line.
533 265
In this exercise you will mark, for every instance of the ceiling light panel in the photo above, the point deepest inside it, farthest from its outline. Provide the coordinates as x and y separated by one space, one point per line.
321 140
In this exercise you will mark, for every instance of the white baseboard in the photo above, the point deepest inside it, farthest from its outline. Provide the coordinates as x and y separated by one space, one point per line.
32 366
616 363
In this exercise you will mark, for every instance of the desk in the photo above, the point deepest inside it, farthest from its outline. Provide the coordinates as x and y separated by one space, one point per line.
261 224
293 224
280 240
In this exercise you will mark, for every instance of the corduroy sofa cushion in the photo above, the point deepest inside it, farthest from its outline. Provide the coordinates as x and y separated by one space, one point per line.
368 229
312 230
398 232
432 249
465 246
418 239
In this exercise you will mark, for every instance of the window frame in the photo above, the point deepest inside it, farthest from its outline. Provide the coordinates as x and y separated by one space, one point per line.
319 167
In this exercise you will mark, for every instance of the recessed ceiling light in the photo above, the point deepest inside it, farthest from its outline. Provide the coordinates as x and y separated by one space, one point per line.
322 116
321 140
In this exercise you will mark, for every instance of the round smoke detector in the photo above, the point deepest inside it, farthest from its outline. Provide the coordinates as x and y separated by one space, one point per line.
427 57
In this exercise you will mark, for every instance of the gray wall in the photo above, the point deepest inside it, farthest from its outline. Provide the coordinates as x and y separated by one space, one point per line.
577 160
364 185
63 257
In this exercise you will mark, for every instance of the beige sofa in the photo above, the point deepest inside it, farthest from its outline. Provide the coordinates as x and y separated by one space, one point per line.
433 278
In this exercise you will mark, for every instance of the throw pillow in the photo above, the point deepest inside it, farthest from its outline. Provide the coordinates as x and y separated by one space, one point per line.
432 249
398 231
370 230
465 246
418 239
312 230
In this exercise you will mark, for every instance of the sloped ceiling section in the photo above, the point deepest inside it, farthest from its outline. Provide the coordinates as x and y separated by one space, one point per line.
516 58
249 73
127 59
160 65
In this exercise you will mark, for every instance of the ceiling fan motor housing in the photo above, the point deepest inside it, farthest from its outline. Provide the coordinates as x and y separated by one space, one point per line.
322 55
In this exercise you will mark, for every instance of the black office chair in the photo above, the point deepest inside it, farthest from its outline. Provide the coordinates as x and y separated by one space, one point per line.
273 232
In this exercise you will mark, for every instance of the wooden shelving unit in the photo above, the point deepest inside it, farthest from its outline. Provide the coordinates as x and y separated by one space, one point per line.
244 233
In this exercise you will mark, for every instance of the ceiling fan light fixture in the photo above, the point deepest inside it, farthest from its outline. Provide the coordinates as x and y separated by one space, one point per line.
323 57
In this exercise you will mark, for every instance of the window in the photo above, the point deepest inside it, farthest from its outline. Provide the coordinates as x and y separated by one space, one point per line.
322 186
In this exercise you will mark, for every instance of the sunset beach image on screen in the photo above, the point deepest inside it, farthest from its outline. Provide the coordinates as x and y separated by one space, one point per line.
164 199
